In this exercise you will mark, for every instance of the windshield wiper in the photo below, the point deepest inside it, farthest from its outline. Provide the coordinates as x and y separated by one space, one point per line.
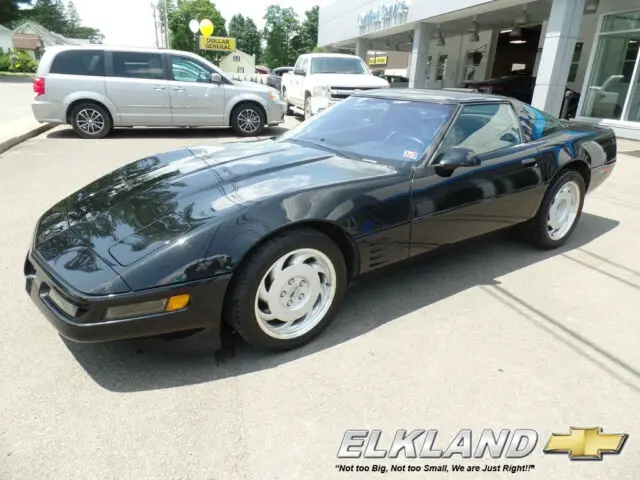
335 151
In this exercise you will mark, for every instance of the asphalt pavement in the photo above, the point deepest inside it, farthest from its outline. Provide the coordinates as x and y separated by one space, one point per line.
493 335
16 94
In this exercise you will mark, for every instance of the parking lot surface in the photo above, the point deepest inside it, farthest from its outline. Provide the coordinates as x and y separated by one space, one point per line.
16 94
491 335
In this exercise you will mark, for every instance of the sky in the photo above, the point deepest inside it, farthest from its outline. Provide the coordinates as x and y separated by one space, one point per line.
130 22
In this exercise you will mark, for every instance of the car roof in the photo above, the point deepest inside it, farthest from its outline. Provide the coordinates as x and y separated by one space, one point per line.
434 96
116 48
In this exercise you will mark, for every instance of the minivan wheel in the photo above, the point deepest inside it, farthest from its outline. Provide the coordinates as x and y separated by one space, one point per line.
90 120
248 120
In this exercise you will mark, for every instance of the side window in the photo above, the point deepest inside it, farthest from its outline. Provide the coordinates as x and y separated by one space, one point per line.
138 65
539 123
79 62
187 70
304 63
484 128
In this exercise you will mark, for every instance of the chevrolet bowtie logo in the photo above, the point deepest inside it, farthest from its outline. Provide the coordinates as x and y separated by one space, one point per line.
586 443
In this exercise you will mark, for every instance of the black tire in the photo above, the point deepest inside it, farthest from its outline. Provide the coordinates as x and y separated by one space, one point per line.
251 112
240 305
287 110
307 108
535 231
90 110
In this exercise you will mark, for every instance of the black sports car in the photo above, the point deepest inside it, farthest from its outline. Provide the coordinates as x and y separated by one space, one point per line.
267 235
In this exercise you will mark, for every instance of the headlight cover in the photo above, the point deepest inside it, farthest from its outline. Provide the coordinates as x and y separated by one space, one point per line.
321 91
274 96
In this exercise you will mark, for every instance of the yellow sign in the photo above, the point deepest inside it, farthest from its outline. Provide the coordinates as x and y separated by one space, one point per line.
378 61
218 44
206 28
586 443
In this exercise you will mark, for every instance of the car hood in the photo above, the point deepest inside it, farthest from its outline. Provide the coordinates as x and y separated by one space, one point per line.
253 86
348 80
142 207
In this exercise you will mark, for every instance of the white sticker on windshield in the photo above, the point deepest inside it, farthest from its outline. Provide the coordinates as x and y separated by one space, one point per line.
410 154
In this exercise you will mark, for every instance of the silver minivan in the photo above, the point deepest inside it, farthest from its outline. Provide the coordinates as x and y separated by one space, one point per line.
96 88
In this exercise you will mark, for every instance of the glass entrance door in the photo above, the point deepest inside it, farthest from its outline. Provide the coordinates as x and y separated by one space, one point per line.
613 82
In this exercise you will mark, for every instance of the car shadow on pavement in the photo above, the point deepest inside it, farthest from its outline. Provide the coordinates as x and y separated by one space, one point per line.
176 132
149 364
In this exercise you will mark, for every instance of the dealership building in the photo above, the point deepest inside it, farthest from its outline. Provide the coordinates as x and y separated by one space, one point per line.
589 46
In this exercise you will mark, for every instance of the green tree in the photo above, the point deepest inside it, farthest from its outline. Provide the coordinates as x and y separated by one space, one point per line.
10 12
92 34
74 24
247 36
51 14
281 33
309 30
181 38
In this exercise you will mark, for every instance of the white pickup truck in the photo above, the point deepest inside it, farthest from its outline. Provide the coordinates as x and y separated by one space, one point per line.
319 80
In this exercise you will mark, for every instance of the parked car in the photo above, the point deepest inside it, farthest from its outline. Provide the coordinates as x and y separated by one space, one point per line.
267 235
320 80
96 88
274 79
396 81
520 87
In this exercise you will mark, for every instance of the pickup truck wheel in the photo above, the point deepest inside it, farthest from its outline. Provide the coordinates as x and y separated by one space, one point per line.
285 97
307 108
247 120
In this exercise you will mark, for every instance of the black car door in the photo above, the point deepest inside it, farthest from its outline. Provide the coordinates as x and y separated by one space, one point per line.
502 191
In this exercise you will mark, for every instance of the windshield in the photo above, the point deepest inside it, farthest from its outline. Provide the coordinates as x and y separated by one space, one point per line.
374 128
338 65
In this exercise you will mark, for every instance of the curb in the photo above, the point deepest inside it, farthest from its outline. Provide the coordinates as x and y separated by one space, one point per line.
12 142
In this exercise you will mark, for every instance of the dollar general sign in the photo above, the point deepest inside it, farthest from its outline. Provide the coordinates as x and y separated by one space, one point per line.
218 44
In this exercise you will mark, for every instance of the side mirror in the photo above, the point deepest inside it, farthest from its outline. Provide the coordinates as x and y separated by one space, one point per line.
216 78
456 157
299 71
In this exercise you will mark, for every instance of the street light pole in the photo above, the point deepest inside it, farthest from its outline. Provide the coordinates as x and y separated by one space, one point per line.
155 24
166 23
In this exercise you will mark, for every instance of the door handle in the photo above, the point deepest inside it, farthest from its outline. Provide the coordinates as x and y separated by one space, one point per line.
530 162
158 87
178 89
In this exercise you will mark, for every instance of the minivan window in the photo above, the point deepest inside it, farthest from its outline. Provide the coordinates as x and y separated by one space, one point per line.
187 70
79 62
138 65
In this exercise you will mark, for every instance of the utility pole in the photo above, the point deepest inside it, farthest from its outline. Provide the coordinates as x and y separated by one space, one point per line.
166 22
155 23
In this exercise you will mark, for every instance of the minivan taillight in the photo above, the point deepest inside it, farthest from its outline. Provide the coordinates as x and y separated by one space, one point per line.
38 86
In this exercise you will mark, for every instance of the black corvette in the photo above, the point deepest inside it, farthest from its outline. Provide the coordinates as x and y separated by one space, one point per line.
267 235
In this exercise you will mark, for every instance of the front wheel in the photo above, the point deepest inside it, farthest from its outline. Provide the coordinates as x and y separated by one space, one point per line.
248 119
307 108
559 212
288 291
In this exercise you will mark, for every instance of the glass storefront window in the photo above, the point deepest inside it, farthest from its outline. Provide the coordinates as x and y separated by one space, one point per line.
610 81
621 21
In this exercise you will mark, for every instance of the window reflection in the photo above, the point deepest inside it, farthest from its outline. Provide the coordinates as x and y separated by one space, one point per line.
610 84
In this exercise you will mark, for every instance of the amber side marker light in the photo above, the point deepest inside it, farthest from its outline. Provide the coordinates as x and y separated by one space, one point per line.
171 304
177 302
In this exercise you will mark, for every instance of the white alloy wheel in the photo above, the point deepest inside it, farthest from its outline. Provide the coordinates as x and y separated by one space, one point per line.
563 210
295 294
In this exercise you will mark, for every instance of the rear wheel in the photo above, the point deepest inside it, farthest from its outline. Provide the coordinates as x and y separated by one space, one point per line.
90 120
559 212
248 119
288 291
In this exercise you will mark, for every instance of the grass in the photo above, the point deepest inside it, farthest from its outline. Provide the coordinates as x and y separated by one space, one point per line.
14 74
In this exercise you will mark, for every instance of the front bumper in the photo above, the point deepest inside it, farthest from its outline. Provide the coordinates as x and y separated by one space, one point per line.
275 112
87 324
318 104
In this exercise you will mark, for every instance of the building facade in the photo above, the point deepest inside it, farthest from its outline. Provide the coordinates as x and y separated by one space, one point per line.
588 46
238 62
